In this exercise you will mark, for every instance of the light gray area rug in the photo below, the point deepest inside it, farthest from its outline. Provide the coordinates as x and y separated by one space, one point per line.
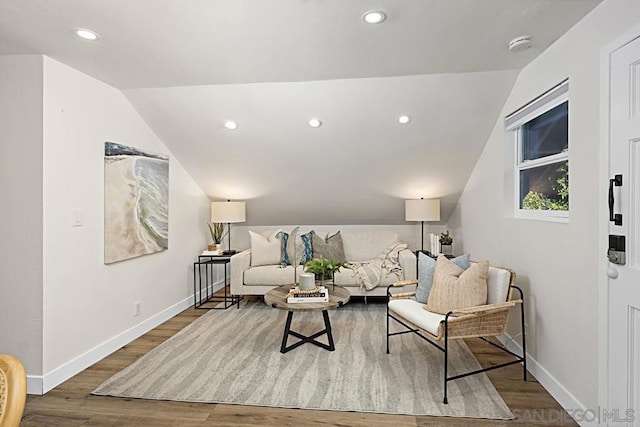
233 356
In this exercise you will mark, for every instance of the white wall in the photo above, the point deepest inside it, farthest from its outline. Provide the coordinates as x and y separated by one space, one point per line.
88 303
556 263
21 213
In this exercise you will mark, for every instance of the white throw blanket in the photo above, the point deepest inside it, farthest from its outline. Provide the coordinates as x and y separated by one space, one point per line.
372 273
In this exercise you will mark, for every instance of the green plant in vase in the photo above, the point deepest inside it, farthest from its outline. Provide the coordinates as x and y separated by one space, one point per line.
217 233
446 242
323 268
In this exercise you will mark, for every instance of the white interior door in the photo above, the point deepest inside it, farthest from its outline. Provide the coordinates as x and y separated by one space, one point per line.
624 290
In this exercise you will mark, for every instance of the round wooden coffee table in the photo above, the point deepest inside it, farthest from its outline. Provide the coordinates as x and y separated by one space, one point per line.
276 298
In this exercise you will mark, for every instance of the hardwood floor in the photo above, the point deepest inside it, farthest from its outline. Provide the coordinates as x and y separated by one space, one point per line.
71 404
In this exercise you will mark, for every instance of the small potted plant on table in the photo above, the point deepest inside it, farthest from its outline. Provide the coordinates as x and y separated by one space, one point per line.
446 243
323 268
217 232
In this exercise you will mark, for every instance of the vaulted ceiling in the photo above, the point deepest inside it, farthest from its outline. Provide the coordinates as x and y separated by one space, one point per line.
271 65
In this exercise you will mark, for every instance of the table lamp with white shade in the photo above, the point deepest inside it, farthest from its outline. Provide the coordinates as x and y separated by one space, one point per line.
228 212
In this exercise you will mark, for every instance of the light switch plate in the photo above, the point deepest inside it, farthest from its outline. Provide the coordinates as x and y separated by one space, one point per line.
77 219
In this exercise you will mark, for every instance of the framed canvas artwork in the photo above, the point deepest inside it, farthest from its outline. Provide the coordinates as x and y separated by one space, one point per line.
136 205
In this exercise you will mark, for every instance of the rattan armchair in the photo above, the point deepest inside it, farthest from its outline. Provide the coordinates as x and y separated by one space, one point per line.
475 322
13 391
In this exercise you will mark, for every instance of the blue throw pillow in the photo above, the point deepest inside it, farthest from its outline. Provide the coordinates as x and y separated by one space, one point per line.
284 256
307 251
307 248
426 267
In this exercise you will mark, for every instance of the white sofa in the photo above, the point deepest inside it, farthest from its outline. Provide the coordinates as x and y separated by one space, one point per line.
358 247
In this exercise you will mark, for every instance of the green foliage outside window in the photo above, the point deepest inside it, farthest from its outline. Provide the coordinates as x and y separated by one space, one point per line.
559 200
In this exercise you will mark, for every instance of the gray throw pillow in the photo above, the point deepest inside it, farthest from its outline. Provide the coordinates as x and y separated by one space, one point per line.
426 267
331 248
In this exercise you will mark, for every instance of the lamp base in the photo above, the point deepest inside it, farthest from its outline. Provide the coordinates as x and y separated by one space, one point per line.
229 252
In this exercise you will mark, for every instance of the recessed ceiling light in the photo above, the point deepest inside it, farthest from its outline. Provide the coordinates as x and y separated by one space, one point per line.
85 34
230 124
374 17
404 119
315 123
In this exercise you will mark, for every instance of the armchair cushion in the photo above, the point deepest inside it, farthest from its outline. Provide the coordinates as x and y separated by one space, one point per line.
498 280
414 312
426 267
455 288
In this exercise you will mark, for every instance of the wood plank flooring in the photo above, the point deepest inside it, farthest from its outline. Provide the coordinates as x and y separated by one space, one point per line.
71 404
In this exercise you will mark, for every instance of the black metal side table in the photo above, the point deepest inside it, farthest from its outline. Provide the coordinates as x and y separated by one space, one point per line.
434 256
203 280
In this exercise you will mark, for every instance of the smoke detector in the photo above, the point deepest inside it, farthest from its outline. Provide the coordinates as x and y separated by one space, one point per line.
520 44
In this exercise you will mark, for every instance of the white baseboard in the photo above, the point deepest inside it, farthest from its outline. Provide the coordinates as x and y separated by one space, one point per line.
34 384
40 384
559 392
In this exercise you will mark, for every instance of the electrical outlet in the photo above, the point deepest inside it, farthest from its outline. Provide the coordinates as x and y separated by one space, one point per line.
136 308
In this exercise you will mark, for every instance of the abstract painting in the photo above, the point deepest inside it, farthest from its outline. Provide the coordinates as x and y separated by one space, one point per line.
136 202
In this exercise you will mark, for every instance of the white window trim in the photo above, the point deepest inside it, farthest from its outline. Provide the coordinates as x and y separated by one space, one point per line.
542 161
513 123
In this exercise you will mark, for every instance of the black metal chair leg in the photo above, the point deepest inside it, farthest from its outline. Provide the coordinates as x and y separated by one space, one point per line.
524 337
446 356
387 327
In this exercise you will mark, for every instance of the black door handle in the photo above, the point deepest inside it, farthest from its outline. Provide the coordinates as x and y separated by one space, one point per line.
615 218
611 200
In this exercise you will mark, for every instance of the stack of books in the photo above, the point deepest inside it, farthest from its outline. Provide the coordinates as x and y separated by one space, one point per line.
434 243
217 252
318 294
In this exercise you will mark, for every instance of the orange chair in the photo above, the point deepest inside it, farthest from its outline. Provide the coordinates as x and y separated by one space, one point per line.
13 391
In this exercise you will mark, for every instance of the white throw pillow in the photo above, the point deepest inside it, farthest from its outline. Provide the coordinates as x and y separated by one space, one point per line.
265 250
